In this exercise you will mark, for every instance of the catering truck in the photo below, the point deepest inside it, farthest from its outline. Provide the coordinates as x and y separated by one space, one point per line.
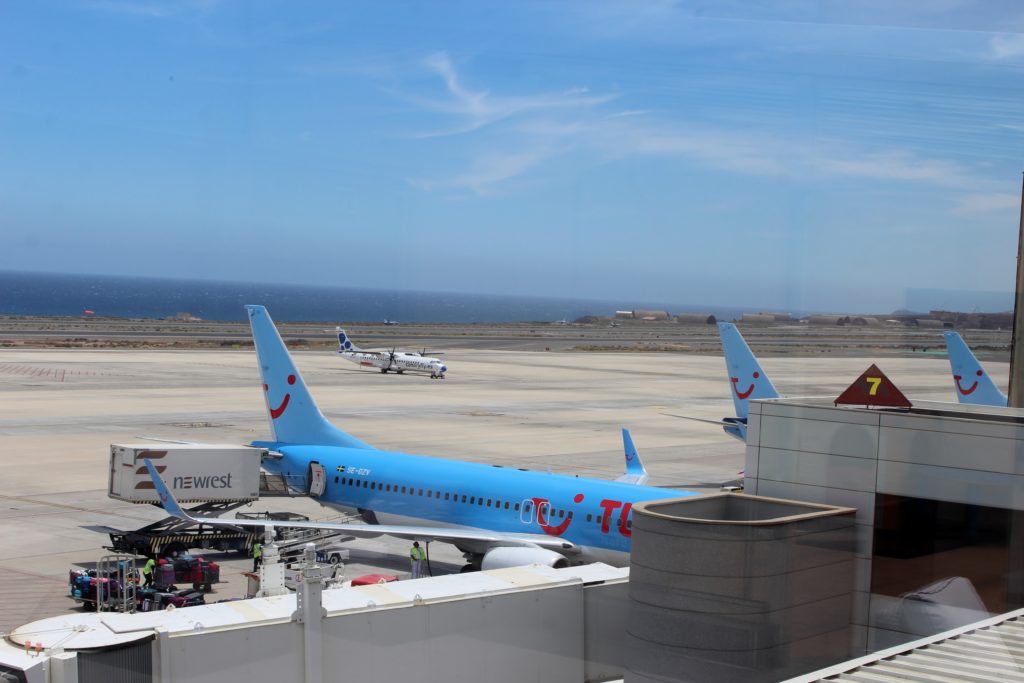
218 477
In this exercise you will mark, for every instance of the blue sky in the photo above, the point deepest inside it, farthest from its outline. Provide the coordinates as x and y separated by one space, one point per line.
778 155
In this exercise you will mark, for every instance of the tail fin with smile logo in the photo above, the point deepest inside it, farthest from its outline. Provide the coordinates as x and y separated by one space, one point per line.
970 381
294 416
747 379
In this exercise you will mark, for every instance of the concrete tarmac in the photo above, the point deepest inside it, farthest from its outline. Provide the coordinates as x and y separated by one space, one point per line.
60 409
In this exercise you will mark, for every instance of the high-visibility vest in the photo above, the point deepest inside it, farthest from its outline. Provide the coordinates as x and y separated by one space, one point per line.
147 568
257 550
417 554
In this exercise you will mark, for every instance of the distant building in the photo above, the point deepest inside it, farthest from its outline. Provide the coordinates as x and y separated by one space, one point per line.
696 319
623 314
186 318
757 319
641 314
825 319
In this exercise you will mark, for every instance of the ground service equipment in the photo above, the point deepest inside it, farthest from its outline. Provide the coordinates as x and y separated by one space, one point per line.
220 477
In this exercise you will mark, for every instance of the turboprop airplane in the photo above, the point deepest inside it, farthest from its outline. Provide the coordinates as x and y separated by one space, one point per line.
973 385
390 361
747 381
497 516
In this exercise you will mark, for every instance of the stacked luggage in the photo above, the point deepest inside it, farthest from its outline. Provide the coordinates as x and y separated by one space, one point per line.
93 587
201 573
89 586
151 599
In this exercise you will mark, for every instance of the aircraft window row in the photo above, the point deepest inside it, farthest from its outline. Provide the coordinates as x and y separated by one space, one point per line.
470 500
600 518
446 495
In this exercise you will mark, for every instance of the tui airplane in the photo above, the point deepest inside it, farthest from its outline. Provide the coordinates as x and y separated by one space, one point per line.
973 385
497 516
747 381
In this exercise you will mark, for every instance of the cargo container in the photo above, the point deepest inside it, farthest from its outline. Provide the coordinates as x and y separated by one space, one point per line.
195 473
220 478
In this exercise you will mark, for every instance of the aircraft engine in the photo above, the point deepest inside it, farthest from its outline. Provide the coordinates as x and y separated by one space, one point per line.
499 558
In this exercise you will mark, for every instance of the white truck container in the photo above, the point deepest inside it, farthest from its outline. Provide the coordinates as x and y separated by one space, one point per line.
195 473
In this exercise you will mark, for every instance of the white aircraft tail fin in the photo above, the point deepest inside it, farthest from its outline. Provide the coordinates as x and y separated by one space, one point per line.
345 344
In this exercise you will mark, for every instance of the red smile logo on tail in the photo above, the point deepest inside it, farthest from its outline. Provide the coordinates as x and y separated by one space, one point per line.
742 395
278 411
969 390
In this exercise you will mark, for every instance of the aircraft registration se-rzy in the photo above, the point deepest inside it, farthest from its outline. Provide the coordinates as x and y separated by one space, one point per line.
390 361
497 516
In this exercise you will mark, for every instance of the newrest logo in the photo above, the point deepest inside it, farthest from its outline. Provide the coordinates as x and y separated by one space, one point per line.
208 481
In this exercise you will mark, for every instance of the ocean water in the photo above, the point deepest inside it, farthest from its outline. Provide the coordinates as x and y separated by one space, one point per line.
44 294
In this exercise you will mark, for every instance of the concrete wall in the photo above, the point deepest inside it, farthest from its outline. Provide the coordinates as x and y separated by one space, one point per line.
803 449
567 633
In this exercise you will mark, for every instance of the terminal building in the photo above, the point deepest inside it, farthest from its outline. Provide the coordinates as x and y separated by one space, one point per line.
939 494
861 530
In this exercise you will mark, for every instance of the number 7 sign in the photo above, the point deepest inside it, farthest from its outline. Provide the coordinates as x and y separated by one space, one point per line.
873 388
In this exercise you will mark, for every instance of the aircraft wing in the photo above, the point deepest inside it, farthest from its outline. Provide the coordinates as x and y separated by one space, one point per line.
419 533
701 419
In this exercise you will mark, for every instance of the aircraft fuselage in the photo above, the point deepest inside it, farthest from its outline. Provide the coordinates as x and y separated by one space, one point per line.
392 488
398 362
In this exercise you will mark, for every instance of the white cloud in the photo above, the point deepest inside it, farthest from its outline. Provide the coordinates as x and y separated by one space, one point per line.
478 108
547 126
487 172
1006 46
761 153
986 203
897 165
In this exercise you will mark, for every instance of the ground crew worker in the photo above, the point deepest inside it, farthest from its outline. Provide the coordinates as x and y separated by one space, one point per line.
147 572
416 556
257 556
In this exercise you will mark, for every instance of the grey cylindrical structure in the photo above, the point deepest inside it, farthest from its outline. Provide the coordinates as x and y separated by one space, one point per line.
731 587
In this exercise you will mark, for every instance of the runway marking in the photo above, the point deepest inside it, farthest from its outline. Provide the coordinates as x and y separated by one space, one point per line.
13 570
58 374
76 508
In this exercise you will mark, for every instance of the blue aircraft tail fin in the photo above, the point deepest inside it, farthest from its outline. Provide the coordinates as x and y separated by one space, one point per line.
344 343
747 380
972 384
635 473
294 416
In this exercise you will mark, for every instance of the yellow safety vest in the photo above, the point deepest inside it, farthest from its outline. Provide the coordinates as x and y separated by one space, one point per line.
417 554
257 550
147 568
